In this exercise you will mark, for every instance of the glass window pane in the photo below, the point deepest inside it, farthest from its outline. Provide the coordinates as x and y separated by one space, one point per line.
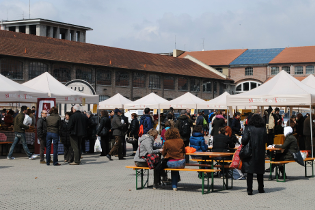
154 81
207 86
36 69
274 70
248 71
84 74
239 87
253 85
286 68
12 68
219 69
138 79
246 86
169 83
194 85
298 70
309 69
122 78
182 83
62 73
103 77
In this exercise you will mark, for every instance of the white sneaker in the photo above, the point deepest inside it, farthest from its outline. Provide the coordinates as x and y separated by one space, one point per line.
175 189
33 157
10 158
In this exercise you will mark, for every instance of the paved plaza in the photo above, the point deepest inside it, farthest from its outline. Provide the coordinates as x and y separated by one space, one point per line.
100 184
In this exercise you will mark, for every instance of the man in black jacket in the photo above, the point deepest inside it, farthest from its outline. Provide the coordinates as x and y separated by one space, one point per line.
236 124
41 134
77 127
91 129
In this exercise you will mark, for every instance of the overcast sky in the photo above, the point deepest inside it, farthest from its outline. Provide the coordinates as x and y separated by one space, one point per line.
151 26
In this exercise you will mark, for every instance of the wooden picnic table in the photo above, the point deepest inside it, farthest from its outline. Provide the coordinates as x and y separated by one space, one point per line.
272 150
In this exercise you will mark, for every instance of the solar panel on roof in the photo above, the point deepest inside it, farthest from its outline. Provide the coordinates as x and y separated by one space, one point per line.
257 56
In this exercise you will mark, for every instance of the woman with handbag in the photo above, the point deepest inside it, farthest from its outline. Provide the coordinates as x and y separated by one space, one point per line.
253 149
133 132
65 139
146 153
104 132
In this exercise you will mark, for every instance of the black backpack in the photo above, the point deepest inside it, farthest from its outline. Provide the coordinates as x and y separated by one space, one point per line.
184 128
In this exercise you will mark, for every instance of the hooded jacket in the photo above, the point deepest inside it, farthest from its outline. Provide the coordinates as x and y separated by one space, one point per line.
145 147
146 121
178 125
197 141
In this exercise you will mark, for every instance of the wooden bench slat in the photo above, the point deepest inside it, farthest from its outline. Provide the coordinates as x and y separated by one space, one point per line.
5 142
178 169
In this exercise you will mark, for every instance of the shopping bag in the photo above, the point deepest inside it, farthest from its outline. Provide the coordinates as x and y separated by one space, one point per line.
97 146
236 160
190 149
140 131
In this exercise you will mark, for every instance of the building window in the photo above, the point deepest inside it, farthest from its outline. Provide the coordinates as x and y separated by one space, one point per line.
219 70
84 74
138 80
194 85
286 68
169 82
11 68
309 69
36 69
207 86
182 83
154 81
246 86
215 87
248 71
122 78
298 70
103 77
274 70
62 73
103 98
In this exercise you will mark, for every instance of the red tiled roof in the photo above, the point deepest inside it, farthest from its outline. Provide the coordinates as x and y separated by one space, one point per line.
296 55
36 47
215 57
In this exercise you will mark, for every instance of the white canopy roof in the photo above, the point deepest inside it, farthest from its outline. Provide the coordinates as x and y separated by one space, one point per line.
186 101
151 101
310 81
116 101
48 84
12 92
281 90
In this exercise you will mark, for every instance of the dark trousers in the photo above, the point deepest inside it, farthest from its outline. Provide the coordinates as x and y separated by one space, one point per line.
82 146
157 174
92 143
186 156
301 142
105 145
42 149
308 142
68 153
75 144
260 180
123 144
117 148
135 146
52 137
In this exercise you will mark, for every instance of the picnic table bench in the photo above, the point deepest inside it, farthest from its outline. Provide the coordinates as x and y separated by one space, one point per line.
141 170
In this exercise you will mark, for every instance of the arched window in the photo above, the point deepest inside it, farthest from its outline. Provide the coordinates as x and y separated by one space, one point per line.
84 74
246 86
298 70
12 68
62 73
286 68
309 69
248 71
169 82
274 70
36 69
103 77
182 83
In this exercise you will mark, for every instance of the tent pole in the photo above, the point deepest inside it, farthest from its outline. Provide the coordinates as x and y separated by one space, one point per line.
311 121
159 122
227 115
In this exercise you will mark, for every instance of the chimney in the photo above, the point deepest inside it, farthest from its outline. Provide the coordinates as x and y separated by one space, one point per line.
177 53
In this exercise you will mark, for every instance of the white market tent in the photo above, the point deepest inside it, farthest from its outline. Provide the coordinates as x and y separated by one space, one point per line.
116 101
185 101
151 101
55 89
282 90
12 92
310 81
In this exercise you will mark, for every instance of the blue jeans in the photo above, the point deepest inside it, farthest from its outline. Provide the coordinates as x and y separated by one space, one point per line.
175 174
52 137
16 140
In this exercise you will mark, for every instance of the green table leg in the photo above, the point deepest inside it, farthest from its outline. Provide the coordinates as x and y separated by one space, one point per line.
203 186
141 178
270 174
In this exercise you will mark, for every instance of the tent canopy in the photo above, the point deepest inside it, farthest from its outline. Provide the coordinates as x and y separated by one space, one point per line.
281 90
116 101
48 84
310 81
186 101
216 103
151 101
14 92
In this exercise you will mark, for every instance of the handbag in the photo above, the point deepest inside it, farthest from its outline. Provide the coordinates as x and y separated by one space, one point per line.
246 151
236 160
104 131
152 160
298 157
131 140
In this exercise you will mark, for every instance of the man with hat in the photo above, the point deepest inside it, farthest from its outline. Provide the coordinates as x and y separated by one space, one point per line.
117 127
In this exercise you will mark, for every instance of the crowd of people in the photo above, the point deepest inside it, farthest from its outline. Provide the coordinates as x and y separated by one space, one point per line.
176 134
